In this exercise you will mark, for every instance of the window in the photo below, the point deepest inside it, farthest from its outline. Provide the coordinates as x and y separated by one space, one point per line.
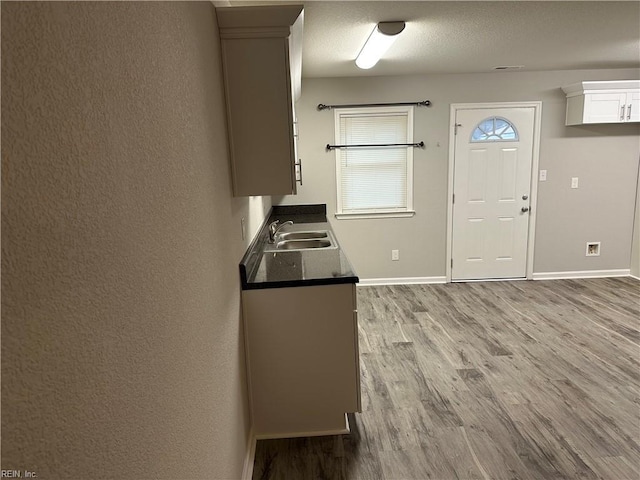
374 181
494 129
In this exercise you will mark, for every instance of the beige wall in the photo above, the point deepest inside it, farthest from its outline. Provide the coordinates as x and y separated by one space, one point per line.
121 342
604 157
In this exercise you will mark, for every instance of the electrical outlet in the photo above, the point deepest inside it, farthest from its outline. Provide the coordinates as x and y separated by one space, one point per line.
593 249
574 182
543 175
395 255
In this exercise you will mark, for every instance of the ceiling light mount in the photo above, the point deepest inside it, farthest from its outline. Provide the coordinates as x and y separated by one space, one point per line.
379 41
509 67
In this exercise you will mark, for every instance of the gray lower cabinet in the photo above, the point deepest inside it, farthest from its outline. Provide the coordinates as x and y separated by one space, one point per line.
302 359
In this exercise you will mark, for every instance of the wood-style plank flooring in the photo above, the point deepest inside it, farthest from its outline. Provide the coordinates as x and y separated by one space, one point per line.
497 380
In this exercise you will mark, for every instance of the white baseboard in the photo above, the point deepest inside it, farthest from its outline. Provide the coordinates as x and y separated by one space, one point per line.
479 280
623 272
247 469
370 282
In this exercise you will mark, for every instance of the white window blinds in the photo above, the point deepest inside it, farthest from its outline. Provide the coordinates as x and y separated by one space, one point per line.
374 179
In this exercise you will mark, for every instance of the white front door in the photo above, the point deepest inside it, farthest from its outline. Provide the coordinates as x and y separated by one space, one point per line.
492 192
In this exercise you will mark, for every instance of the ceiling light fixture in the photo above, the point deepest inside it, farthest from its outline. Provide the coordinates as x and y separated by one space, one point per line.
509 67
383 35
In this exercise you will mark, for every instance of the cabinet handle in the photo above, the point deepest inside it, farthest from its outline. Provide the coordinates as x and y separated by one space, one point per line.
299 165
629 112
622 113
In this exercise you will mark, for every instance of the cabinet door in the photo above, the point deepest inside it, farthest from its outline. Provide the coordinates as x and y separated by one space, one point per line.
302 357
604 107
260 115
633 107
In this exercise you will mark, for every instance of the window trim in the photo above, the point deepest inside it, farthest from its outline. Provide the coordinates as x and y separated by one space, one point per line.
382 212
494 140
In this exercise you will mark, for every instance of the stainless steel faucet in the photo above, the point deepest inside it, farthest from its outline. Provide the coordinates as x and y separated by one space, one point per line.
274 228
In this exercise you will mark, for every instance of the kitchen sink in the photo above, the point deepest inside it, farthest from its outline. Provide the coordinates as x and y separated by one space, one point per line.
297 241
303 235
302 244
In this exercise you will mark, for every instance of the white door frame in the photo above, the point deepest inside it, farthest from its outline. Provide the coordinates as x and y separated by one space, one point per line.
537 109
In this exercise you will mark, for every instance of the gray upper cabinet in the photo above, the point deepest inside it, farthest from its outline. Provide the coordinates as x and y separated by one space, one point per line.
262 65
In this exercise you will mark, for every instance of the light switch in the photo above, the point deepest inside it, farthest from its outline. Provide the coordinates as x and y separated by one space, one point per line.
574 182
543 175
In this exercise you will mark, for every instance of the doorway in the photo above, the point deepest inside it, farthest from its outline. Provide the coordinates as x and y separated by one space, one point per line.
492 159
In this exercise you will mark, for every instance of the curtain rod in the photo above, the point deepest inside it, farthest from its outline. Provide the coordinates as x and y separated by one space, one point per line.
424 103
420 144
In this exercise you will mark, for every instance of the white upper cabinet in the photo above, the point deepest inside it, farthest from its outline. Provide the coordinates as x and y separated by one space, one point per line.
603 102
262 67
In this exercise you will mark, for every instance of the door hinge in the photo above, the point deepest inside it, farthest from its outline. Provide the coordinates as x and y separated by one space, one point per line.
455 128
454 198
452 263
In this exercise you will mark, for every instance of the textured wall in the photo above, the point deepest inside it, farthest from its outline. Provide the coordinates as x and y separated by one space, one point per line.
604 157
121 341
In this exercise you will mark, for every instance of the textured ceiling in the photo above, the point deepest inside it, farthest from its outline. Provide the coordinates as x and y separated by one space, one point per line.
471 37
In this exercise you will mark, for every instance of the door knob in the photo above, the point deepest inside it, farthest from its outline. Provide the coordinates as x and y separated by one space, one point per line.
524 209
524 197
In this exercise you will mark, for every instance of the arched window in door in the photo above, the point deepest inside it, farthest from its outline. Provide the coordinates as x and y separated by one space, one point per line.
494 129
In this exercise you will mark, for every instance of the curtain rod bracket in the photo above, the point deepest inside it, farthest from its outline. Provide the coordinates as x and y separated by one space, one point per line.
424 103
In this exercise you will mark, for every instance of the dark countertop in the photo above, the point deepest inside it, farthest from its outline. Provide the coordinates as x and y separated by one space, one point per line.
260 269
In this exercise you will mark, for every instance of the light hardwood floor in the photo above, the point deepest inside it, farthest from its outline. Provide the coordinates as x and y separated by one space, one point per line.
497 380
